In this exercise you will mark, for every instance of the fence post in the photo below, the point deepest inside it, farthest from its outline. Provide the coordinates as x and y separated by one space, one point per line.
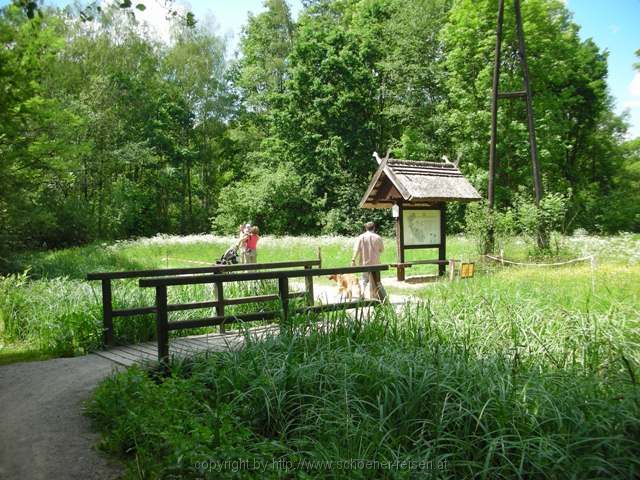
283 291
107 313
162 323
442 249
220 304
452 269
308 283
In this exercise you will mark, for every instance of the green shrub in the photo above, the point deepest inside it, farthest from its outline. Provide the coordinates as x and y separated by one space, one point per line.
59 316
523 218
544 220
480 220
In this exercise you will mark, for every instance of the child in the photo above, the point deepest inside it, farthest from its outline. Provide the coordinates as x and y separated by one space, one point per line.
251 245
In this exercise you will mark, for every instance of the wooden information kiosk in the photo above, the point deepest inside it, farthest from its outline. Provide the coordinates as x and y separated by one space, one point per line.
417 193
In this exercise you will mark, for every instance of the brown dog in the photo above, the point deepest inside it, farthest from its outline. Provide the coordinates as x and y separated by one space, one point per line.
346 284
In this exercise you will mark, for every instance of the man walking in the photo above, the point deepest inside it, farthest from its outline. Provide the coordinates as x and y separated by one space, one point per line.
366 251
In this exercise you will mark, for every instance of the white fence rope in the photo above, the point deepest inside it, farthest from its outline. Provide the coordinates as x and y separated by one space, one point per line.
589 258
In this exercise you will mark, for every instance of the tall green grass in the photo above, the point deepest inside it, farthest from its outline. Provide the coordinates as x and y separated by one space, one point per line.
479 387
52 309
61 316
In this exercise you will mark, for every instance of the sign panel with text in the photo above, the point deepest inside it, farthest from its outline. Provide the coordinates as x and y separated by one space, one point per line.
421 227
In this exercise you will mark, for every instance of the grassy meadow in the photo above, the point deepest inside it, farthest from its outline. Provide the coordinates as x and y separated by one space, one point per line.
50 310
520 372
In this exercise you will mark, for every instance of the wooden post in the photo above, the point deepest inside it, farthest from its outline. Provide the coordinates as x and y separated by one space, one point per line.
399 270
442 249
494 106
452 269
400 276
533 145
320 257
220 305
494 122
283 291
107 313
162 324
308 282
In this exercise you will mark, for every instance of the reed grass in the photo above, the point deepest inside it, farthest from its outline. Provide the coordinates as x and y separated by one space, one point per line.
484 392
50 308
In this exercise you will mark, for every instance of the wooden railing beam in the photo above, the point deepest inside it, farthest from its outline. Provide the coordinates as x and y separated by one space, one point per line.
239 277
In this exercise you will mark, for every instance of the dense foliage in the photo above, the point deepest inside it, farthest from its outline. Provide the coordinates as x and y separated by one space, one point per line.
108 132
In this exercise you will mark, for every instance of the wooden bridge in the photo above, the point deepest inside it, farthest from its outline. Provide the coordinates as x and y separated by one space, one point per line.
218 276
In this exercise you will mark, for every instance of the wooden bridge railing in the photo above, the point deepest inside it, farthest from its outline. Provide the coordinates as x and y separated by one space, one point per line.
162 308
109 313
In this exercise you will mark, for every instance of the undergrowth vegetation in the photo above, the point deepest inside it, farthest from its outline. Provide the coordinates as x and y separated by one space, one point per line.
453 387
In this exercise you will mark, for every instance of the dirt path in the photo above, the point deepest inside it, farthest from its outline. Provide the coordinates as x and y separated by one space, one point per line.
330 294
43 434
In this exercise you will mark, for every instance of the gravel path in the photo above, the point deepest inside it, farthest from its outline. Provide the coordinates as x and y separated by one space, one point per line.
43 433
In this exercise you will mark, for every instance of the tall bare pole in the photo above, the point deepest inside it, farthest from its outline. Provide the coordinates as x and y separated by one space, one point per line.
527 88
494 109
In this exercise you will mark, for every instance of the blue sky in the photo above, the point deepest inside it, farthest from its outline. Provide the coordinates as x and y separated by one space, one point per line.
612 24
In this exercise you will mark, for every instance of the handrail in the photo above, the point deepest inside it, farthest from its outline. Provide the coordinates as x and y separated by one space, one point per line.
108 312
235 277
200 270
162 308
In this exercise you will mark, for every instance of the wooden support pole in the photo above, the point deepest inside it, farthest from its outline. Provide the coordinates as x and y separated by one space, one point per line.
283 291
442 250
220 305
533 145
162 324
308 283
399 252
494 108
493 158
527 88
107 313
400 272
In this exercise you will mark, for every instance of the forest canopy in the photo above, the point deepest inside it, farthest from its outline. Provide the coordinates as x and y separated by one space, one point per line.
108 132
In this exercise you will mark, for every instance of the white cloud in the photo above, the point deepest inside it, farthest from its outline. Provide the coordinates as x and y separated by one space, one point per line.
614 28
631 104
634 86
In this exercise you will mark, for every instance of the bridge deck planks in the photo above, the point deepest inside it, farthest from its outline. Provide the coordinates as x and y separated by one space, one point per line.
141 353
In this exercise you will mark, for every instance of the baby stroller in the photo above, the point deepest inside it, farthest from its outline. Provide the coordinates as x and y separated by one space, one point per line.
229 257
